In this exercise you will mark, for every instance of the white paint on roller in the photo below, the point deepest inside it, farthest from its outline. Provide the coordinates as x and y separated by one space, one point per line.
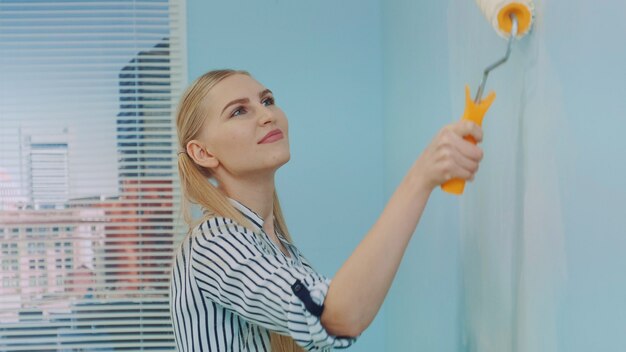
491 9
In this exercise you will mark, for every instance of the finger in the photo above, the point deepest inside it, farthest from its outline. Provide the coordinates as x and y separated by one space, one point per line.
454 165
462 173
468 128
468 149
474 174
466 164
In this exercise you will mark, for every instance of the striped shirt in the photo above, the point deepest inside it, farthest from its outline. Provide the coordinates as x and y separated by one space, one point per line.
230 287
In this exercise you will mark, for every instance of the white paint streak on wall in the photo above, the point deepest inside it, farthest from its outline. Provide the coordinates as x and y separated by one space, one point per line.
512 241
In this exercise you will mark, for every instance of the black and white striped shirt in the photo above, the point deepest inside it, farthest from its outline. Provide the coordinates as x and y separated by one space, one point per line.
230 287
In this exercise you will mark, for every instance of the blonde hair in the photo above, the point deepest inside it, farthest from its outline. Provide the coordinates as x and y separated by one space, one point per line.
194 179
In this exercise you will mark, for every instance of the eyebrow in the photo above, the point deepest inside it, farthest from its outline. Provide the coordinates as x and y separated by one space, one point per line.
245 100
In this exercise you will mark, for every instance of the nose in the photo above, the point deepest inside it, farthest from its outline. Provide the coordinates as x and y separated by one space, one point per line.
266 116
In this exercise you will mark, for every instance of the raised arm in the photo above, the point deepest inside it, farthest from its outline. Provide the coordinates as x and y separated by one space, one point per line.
358 289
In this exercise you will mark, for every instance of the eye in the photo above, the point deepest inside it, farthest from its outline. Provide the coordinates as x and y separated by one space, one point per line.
268 101
238 111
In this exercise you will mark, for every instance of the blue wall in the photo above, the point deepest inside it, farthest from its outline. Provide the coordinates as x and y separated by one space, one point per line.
322 59
423 304
537 241
535 261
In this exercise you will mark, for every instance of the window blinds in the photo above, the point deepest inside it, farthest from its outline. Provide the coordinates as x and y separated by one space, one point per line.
89 196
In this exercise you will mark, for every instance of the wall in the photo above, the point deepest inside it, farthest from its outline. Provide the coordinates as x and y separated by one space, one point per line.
531 257
423 303
322 60
546 218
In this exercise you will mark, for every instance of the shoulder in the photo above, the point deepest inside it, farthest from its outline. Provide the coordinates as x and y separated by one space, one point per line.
223 234
219 226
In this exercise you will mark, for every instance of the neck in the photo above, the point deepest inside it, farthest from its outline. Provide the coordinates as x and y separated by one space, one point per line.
256 193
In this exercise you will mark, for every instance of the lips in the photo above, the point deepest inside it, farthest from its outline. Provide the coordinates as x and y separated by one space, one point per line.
272 136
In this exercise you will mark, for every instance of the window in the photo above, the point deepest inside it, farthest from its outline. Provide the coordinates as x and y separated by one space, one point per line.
88 180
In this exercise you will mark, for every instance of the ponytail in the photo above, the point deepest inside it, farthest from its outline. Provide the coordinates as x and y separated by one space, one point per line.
198 190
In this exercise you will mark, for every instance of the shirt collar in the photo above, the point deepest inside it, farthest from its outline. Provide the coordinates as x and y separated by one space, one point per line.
254 218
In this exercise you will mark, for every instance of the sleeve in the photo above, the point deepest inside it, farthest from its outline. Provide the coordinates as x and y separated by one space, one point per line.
231 268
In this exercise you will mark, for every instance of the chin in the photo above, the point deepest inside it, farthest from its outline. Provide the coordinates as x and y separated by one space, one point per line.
274 160
282 159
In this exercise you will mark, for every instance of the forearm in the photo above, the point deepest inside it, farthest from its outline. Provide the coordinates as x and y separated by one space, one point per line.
359 287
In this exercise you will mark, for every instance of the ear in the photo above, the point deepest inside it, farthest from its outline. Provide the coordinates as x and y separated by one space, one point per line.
201 154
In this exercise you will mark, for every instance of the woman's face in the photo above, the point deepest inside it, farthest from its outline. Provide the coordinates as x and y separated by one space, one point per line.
245 131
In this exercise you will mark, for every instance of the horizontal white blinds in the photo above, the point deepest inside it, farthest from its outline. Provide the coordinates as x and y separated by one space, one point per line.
89 195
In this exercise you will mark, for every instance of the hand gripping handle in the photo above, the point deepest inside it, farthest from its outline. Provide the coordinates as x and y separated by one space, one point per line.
475 113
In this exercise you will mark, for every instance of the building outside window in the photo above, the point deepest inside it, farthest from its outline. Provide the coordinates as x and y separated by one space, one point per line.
89 197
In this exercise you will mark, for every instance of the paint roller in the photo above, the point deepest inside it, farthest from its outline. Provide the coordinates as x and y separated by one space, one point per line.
510 19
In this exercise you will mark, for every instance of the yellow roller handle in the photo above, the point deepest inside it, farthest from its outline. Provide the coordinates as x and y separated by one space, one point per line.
475 113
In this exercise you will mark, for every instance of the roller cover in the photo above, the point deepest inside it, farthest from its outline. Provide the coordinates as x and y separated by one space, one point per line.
498 13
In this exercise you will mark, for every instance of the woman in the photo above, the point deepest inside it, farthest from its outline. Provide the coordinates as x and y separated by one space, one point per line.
238 282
